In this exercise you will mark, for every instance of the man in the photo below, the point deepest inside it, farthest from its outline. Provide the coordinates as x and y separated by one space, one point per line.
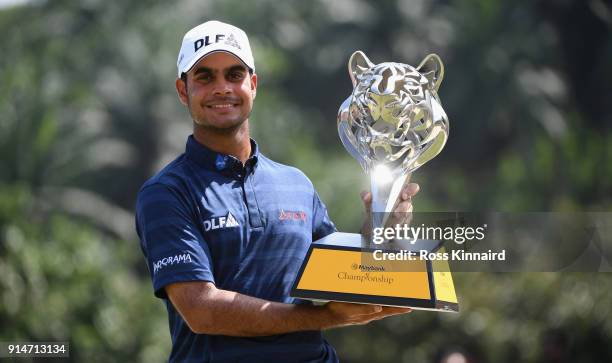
219 253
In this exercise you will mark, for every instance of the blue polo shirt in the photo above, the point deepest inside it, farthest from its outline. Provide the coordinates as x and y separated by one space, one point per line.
245 228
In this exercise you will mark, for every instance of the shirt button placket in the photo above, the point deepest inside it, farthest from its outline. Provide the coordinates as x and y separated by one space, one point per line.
251 201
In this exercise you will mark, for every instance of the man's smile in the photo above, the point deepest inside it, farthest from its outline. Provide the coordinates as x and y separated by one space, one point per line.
224 105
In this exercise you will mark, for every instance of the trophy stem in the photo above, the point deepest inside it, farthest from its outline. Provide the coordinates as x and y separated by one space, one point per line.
385 196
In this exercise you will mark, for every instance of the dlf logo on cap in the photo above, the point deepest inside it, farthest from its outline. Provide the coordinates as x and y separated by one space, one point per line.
213 36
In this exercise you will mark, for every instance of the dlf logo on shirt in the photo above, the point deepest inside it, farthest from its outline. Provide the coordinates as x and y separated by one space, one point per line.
220 222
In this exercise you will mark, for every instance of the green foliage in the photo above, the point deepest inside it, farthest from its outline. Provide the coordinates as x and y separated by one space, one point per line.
64 281
503 318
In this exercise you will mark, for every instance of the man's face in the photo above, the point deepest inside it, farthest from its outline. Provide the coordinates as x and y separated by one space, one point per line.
219 91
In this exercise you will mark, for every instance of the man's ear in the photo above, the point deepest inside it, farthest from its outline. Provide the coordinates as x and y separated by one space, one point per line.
254 84
181 89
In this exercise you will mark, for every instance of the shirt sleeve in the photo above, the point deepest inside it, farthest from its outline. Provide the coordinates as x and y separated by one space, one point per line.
170 239
321 223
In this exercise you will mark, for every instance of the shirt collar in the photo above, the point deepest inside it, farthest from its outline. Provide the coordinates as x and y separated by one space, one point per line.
213 160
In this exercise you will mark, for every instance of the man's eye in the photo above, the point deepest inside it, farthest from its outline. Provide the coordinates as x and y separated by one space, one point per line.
236 76
205 78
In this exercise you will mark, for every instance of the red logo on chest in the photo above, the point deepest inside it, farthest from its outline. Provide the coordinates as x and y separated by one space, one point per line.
292 215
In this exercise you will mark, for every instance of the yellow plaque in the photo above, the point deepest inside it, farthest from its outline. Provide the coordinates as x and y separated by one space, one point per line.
339 268
343 271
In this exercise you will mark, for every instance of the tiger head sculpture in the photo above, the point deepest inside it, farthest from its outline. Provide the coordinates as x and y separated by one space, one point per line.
394 115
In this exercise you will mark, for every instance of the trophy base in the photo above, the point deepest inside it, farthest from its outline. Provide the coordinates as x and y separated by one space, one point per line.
341 267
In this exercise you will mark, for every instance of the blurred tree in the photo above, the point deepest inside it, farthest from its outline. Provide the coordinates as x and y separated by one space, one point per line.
64 281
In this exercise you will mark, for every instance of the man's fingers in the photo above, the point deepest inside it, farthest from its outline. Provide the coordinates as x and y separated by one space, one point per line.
366 198
353 309
404 207
351 313
386 312
390 311
393 310
364 309
410 190
401 213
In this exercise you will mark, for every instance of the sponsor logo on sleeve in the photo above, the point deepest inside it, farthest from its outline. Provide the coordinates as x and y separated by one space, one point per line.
171 260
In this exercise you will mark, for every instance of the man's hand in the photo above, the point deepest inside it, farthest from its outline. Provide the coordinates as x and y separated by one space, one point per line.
401 214
344 314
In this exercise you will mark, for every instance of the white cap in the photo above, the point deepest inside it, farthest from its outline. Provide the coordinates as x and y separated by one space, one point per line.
213 36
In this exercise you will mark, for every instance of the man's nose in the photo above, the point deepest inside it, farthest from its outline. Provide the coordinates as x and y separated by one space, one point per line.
222 86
